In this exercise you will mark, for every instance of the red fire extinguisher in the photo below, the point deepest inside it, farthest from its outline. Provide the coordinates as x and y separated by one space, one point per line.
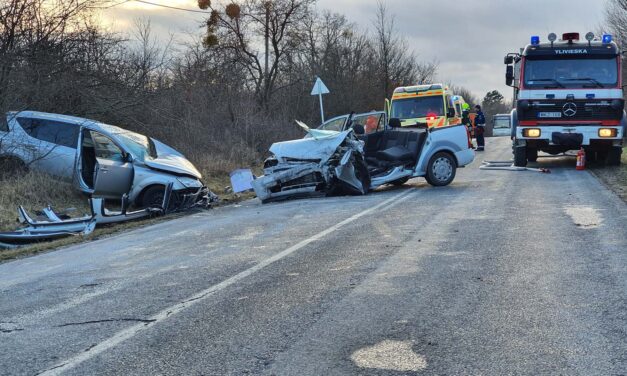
581 159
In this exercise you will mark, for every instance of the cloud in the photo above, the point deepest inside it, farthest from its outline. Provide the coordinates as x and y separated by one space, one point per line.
469 38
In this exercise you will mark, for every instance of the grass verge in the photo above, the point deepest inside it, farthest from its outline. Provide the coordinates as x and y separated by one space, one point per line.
614 177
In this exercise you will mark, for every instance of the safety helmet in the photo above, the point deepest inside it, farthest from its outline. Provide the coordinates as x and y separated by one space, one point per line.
466 106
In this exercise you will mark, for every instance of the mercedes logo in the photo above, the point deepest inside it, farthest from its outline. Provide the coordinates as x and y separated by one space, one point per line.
569 109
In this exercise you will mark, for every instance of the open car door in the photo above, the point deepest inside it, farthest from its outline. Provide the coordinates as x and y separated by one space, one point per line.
113 170
370 121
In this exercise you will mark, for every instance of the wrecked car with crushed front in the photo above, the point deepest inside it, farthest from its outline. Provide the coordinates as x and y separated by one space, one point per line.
352 161
102 160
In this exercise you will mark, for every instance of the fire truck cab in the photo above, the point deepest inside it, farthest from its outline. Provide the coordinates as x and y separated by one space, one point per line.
568 94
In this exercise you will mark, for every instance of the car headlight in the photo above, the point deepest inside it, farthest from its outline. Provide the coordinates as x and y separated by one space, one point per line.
532 132
608 132
189 182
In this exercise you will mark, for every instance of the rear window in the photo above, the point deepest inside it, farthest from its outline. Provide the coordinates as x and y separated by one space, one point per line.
56 132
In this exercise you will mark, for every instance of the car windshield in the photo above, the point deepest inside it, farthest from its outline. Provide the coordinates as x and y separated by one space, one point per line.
137 144
571 73
412 108
501 123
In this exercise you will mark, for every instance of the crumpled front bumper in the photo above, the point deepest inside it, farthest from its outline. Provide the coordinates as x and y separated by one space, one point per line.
271 186
186 199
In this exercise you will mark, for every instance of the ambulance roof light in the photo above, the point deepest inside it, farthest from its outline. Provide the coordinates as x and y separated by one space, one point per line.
535 40
607 38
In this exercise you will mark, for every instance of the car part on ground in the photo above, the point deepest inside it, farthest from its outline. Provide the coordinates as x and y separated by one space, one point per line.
509 166
55 225
331 162
31 235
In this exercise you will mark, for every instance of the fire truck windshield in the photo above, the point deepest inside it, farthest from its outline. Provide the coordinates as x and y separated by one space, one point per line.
571 73
412 108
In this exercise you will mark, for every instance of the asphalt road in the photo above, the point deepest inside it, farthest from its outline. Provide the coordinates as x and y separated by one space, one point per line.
499 273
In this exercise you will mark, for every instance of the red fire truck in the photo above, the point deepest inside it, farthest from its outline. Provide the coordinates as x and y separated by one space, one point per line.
568 95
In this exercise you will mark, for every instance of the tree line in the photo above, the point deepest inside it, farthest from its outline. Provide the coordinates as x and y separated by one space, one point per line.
221 99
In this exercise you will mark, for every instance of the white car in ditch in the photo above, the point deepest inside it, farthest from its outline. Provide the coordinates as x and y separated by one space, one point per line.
352 160
101 160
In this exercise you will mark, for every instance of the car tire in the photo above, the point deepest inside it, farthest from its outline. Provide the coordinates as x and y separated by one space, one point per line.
400 181
520 156
614 156
153 197
441 169
532 155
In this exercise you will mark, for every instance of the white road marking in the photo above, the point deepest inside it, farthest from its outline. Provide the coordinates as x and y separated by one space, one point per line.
132 331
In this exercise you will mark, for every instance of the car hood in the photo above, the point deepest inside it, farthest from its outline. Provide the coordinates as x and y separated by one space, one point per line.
170 160
319 147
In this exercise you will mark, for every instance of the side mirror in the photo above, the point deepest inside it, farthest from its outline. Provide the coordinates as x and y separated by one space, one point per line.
508 60
450 113
509 75
128 158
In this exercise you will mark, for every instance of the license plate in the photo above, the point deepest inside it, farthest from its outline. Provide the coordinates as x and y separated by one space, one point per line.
549 114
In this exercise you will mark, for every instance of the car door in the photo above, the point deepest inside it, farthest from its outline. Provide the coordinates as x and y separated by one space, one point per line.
50 145
371 121
113 172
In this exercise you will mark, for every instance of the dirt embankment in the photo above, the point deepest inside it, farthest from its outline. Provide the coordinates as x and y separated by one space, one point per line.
614 178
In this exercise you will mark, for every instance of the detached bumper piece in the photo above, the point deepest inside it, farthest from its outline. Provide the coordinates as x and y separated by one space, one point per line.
53 226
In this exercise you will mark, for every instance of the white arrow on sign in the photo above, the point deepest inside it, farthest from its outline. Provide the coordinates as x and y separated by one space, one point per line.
320 89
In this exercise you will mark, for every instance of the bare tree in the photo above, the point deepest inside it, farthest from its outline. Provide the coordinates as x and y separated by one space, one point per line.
398 65
616 18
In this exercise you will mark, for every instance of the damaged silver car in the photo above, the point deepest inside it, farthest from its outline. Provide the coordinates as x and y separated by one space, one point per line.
355 161
101 160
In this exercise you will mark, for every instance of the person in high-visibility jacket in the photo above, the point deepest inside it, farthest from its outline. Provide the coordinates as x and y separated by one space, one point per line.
466 120
480 128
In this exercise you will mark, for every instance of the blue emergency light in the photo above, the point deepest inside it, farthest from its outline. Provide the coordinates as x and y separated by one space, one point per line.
607 38
535 40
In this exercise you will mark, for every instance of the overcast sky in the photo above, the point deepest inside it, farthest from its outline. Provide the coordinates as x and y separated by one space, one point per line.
468 38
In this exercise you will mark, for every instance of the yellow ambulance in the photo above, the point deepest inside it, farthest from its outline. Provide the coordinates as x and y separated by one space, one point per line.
432 105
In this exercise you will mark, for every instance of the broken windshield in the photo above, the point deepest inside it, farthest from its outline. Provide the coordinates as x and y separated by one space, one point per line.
137 144
413 108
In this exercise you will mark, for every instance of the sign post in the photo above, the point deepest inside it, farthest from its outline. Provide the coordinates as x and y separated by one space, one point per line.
320 89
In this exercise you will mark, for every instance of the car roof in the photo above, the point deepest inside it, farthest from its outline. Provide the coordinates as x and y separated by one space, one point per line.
59 117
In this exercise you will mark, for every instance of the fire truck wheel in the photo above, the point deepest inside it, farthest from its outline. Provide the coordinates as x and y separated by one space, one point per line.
520 156
532 155
613 156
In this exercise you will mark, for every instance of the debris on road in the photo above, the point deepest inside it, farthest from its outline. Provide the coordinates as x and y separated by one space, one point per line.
241 180
53 225
509 166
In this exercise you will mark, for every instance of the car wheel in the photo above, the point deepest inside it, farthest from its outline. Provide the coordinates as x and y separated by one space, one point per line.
532 155
614 156
520 156
153 197
400 181
441 169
